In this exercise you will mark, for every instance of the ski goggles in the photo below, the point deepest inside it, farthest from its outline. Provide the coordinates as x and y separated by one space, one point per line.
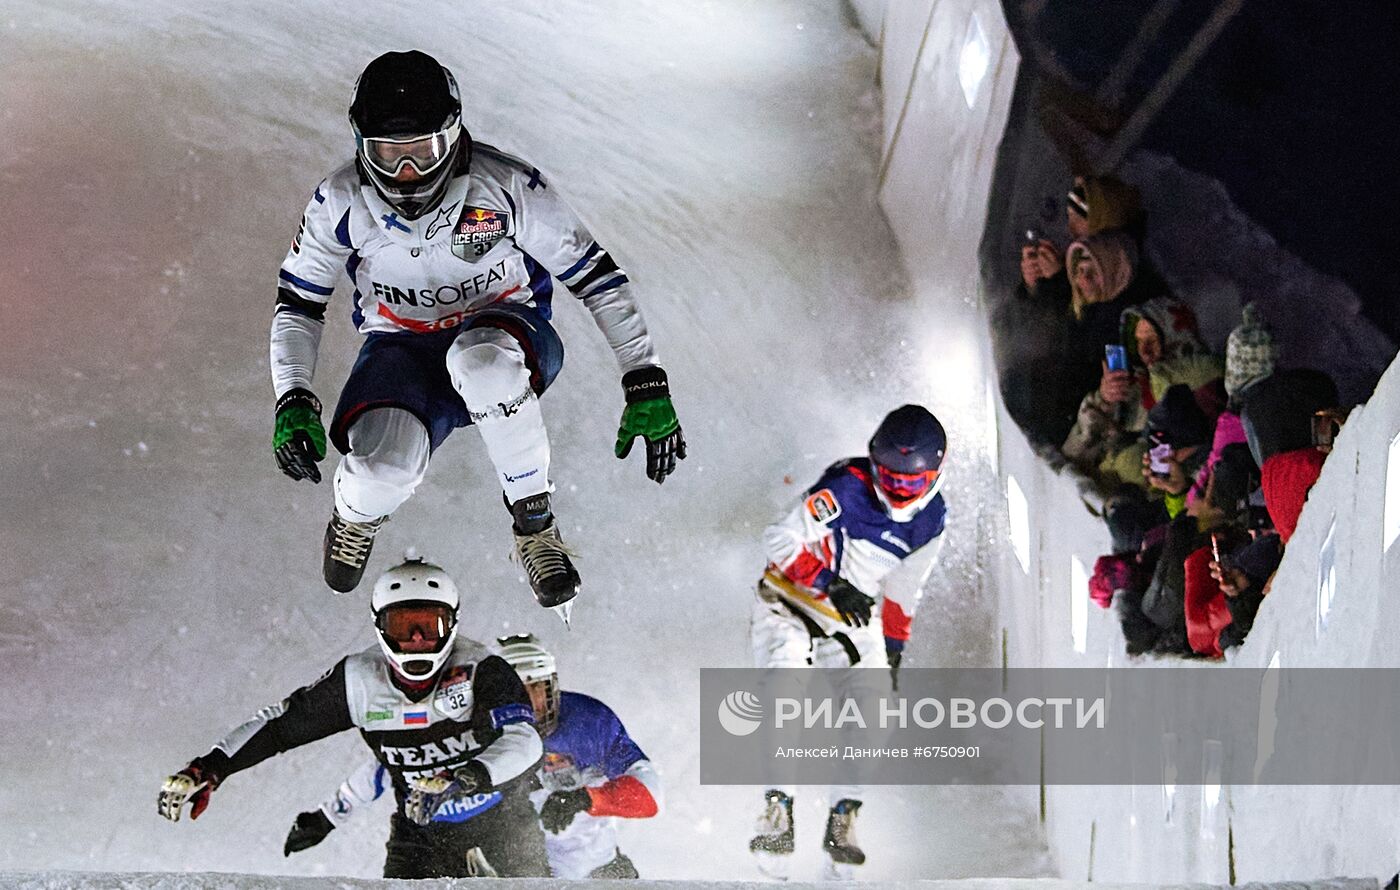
904 488
416 627
389 155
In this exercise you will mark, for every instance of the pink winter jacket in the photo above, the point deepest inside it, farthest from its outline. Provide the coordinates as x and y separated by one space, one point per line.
1229 429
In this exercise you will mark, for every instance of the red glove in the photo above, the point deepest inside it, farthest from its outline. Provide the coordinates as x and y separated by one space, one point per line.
193 784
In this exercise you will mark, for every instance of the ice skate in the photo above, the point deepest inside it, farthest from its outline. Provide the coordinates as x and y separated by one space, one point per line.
772 845
543 555
346 551
839 842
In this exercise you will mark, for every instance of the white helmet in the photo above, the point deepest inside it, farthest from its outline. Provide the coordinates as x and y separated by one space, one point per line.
536 667
415 611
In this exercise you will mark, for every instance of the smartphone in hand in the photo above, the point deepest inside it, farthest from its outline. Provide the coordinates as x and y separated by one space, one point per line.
1158 460
1223 562
1116 357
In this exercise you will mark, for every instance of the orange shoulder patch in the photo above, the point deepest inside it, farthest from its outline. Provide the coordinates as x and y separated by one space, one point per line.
822 505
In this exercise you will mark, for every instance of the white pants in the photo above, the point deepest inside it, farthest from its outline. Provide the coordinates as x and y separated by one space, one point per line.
781 640
389 447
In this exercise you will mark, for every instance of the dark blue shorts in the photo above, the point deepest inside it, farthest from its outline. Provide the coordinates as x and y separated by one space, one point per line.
409 371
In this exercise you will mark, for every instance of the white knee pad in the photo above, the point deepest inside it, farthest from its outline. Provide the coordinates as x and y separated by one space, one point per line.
488 370
388 457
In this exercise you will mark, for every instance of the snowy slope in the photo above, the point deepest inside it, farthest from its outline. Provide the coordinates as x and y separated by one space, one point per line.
163 579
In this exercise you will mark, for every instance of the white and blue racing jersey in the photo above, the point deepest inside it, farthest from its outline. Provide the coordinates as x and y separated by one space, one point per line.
841 528
501 234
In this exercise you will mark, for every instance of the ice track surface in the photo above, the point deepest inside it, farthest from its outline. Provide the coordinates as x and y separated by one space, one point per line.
77 881
162 578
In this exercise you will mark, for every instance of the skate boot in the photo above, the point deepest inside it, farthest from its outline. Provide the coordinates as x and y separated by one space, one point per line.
772 846
345 552
840 839
544 556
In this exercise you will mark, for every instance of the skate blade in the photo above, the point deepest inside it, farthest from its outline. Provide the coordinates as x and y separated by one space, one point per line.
777 866
565 611
838 871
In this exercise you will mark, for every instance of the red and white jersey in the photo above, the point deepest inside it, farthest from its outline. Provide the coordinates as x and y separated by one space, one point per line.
841 528
501 234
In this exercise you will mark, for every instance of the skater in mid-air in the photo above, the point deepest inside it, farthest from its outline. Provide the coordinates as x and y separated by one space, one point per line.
592 775
451 246
451 724
817 606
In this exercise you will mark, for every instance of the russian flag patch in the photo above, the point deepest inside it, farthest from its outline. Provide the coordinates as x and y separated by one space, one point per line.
415 718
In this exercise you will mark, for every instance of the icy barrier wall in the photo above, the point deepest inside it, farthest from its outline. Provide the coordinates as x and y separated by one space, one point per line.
948 70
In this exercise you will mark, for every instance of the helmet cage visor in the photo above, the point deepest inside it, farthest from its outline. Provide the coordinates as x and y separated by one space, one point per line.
544 698
389 155
902 489
416 627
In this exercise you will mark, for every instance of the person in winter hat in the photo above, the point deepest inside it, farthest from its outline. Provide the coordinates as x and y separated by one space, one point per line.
1277 411
1287 478
1249 352
1178 425
1164 348
1100 268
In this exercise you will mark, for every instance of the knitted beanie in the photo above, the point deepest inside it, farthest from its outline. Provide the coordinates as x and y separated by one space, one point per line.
1249 353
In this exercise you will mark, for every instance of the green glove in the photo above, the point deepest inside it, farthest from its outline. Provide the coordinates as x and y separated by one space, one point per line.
650 414
298 439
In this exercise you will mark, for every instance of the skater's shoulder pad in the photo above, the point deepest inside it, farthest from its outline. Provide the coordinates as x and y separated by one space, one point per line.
339 186
585 707
849 481
496 158
468 651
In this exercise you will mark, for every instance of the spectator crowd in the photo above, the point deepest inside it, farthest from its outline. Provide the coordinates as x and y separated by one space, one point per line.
1203 462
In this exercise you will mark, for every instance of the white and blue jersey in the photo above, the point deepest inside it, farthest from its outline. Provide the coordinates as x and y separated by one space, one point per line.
500 235
591 749
841 528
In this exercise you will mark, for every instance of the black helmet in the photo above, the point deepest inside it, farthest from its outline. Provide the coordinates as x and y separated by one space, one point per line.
906 454
407 118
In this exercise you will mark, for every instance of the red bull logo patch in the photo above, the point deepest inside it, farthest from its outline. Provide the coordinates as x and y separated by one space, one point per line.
477 231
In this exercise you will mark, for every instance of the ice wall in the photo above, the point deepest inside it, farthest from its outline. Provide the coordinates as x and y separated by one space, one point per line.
941 132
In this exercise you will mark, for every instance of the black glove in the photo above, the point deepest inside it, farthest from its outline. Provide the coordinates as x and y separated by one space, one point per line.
307 831
852 605
561 807
649 414
298 439
894 654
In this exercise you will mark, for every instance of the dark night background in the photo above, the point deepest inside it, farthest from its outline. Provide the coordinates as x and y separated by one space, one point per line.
1294 108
